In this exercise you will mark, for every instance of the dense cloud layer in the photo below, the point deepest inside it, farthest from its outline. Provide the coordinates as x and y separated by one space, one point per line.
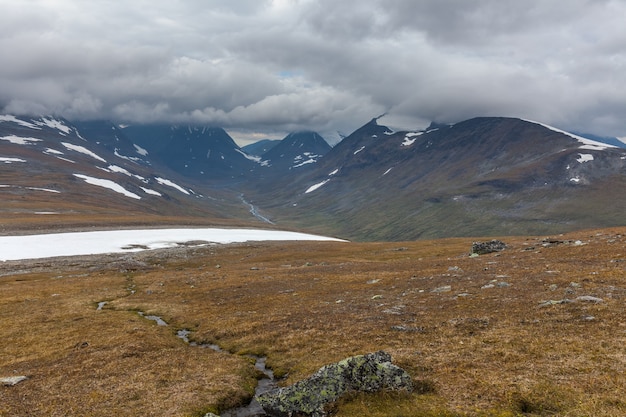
281 65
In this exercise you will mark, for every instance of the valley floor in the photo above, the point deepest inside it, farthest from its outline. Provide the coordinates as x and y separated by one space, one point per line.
536 329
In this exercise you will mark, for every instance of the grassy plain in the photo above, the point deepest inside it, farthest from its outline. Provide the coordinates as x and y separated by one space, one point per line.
502 334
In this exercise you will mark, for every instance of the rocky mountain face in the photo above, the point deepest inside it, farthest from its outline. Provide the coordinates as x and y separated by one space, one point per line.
59 171
198 152
481 177
296 153
260 147
484 176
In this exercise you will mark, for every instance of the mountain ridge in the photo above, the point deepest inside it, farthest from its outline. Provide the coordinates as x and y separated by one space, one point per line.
482 176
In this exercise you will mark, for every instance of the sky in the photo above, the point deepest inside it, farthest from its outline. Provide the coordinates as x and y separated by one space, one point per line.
261 69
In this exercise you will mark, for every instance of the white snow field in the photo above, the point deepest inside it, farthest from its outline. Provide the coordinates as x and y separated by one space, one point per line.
14 248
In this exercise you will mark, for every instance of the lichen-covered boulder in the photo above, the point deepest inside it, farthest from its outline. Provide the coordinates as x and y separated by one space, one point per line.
483 248
366 373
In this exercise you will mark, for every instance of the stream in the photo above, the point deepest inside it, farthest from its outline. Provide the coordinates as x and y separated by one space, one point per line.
267 383
254 211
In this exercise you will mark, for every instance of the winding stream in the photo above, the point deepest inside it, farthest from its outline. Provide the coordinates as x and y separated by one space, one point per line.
267 383
254 211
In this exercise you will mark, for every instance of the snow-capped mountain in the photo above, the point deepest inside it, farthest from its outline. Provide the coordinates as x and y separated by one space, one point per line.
297 150
49 166
483 176
199 152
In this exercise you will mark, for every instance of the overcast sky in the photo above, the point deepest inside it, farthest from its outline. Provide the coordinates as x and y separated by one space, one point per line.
264 68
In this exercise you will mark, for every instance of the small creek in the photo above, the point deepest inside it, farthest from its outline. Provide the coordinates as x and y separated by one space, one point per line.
264 384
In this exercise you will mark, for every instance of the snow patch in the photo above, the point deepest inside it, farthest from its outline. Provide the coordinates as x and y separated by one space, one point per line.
359 150
121 241
151 192
587 143
48 190
316 186
584 157
83 150
169 183
111 185
55 124
18 140
334 172
141 151
9 160
13 119
387 172
115 168
52 151
410 138
128 158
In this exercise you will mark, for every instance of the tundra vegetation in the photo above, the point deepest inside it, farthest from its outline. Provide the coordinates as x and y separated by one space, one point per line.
536 329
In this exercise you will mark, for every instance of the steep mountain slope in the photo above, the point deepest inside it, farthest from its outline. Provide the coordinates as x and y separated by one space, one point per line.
260 147
53 173
296 152
484 176
199 152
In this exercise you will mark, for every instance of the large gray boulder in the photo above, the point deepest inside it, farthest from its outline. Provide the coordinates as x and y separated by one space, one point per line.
366 373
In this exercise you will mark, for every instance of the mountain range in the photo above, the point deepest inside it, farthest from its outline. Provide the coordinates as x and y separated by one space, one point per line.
481 177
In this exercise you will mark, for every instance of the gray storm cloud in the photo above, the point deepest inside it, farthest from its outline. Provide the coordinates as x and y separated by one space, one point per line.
326 65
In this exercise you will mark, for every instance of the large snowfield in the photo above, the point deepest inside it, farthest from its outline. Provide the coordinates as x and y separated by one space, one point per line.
118 241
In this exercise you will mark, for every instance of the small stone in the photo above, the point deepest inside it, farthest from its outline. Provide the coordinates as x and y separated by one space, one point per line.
445 288
12 380
487 286
377 297
589 299
503 284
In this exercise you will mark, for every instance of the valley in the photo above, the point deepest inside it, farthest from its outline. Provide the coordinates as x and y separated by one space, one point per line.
535 329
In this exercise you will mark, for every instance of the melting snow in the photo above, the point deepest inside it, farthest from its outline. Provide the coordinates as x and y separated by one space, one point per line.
410 138
115 168
10 118
316 186
334 172
141 151
151 192
128 158
169 183
18 140
108 184
359 150
584 157
48 190
11 160
52 151
82 150
587 143
387 172
116 241
55 124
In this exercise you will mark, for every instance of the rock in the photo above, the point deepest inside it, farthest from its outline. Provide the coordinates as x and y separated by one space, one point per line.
589 299
364 373
12 380
555 302
482 248
445 288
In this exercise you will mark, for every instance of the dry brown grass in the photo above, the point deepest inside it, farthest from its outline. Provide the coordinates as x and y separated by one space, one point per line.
472 351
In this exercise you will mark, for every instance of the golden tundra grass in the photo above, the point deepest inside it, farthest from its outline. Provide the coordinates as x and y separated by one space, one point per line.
471 331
